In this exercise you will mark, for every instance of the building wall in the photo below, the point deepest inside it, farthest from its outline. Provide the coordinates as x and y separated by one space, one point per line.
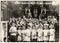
8 7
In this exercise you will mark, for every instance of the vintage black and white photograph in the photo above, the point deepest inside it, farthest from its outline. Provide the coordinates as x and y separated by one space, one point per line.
29 21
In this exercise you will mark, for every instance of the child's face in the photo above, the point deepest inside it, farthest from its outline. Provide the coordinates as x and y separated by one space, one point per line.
17 22
45 27
13 24
23 27
19 28
51 26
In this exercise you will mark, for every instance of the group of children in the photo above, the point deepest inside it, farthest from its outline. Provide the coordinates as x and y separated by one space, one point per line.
32 29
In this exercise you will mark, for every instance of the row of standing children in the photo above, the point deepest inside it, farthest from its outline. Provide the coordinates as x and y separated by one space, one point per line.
32 29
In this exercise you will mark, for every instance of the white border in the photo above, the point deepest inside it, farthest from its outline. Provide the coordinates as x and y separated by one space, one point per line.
33 0
26 0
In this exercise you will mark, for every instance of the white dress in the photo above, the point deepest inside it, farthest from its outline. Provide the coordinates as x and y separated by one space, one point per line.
24 34
13 30
52 35
19 36
34 34
46 34
28 33
40 32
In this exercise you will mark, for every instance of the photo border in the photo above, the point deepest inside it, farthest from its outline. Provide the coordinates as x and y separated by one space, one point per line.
32 0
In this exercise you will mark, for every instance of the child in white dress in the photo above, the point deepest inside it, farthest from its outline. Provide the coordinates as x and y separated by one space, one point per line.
46 32
19 34
33 34
28 33
52 33
13 33
23 33
40 33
